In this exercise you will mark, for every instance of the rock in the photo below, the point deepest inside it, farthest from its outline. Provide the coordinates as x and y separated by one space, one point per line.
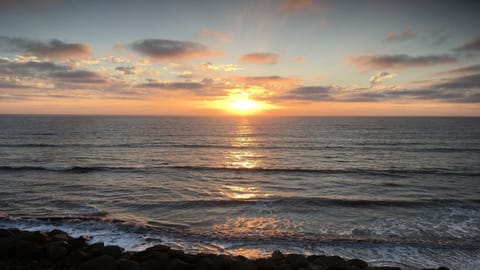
160 248
96 248
297 260
124 264
358 263
58 235
207 263
177 264
75 258
55 252
103 262
243 265
26 249
40 238
175 253
443 268
331 262
278 256
5 233
113 251
153 264
6 246
265 264
79 242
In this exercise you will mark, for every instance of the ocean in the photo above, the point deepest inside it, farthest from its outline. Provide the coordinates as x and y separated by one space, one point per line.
401 191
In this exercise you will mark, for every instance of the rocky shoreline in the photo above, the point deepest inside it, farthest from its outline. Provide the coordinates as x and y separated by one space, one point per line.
57 250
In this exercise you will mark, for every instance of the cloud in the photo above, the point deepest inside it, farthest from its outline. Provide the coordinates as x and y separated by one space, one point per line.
298 59
398 61
464 82
462 70
310 93
380 77
472 45
260 58
172 85
210 66
29 68
54 48
288 6
218 36
163 50
400 36
462 89
78 76
127 70
273 80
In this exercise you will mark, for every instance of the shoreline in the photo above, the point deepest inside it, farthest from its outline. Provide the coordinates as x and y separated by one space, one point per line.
56 249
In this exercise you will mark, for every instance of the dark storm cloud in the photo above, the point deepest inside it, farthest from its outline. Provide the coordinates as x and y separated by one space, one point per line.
53 48
78 76
472 45
172 50
398 61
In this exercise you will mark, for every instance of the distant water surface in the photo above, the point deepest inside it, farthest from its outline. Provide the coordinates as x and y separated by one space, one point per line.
389 190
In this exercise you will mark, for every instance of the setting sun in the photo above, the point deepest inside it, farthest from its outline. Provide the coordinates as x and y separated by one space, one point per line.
244 105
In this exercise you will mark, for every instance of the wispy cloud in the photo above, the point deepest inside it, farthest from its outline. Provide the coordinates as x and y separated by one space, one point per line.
54 48
400 36
164 50
218 36
398 61
288 6
78 76
260 58
462 70
472 45
380 77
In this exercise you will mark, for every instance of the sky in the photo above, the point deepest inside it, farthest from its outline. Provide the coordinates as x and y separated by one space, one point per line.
261 57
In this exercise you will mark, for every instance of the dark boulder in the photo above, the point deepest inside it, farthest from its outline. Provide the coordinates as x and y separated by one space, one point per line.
124 264
297 260
27 249
265 264
278 256
103 262
177 264
358 263
75 258
160 248
79 242
331 262
113 251
153 264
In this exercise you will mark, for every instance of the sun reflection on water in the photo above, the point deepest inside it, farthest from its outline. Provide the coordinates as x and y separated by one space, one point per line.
242 193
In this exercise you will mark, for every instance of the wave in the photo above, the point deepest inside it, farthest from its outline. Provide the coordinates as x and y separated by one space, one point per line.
363 146
306 202
119 227
376 172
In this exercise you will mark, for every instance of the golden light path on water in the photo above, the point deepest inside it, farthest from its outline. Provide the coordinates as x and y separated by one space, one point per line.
265 223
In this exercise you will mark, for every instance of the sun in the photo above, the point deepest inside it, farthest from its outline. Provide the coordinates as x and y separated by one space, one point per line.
244 105
242 101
